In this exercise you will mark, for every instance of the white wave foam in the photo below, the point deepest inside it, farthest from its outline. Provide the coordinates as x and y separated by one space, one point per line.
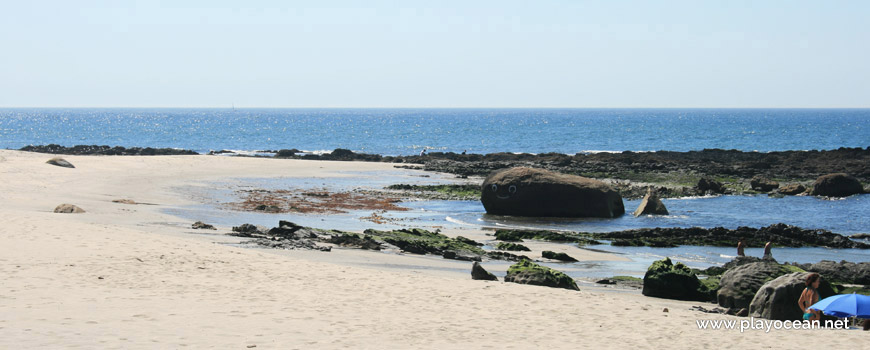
694 197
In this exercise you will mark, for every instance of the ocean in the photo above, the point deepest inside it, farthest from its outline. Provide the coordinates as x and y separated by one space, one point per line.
407 131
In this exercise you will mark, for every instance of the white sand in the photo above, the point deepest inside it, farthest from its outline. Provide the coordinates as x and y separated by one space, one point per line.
128 276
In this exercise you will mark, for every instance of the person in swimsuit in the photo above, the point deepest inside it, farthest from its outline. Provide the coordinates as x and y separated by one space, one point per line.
740 246
810 296
767 248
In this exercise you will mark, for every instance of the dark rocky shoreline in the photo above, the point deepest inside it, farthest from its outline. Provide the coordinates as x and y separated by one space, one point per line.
674 174
87 150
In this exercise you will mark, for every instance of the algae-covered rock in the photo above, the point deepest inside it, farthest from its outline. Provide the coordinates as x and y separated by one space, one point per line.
420 241
557 256
542 235
527 272
513 247
664 279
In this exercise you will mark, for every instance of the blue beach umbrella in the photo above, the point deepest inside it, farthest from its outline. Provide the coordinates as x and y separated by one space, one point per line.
844 305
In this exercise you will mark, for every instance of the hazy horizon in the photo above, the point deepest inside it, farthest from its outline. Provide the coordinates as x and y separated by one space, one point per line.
383 54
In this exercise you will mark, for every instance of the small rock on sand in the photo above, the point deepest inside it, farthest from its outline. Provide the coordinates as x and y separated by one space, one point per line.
68 209
201 225
60 162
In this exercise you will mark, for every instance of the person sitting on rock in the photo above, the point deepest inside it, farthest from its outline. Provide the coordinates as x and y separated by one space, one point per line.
810 296
423 152
740 246
767 255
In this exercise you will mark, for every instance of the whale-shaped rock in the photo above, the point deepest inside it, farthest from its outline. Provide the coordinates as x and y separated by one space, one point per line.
542 193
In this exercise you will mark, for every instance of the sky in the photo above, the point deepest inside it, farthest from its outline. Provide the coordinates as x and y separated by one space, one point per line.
453 54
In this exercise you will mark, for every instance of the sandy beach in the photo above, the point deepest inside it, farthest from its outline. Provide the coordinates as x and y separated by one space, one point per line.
130 276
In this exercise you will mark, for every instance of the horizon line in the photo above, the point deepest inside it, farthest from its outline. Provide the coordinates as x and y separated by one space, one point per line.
309 107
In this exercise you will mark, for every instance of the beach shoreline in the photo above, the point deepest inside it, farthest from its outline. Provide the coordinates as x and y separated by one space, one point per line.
131 276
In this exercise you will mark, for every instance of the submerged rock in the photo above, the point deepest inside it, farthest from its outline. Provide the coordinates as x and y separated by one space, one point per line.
651 205
543 193
479 273
68 209
836 185
527 272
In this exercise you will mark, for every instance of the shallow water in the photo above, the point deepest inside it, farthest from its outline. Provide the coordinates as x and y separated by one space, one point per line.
845 216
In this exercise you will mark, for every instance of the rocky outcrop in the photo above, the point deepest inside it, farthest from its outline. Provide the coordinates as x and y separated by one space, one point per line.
738 286
511 246
247 230
651 205
354 241
840 272
527 272
708 185
542 193
664 279
777 299
763 184
68 209
836 185
106 150
792 189
557 256
479 273
781 235
60 162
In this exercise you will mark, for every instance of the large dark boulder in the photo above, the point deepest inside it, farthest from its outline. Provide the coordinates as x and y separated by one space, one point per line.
836 185
664 279
763 184
651 205
739 285
479 273
778 298
527 272
542 193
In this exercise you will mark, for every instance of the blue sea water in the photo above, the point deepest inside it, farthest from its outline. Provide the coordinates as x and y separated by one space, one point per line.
407 131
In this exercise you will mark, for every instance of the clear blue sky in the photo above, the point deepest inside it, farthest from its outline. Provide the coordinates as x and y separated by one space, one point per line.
435 53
